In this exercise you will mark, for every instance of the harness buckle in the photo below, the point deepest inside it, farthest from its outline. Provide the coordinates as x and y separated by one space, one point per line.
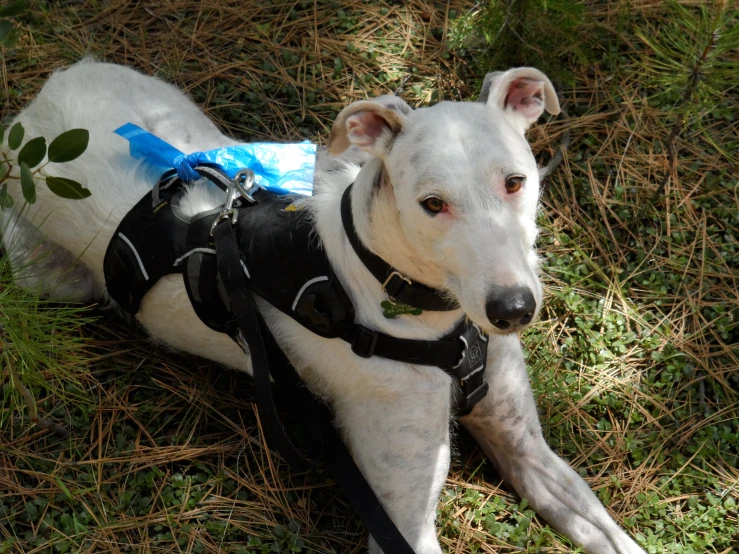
243 185
391 295
471 397
364 342
474 352
470 370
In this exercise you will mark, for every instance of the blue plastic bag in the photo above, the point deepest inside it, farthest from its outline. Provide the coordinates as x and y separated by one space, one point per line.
279 168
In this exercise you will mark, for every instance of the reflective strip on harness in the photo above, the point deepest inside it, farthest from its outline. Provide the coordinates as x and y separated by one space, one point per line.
179 260
305 286
136 253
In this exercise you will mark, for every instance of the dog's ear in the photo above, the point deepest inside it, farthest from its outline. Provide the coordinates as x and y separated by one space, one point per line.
522 93
370 125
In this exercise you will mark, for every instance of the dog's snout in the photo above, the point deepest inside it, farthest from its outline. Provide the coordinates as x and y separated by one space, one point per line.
511 307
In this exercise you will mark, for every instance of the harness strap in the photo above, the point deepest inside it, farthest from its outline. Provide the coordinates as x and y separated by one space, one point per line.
461 355
252 331
213 173
399 288
441 353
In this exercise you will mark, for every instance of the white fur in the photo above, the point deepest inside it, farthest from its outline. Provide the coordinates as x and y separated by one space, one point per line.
395 417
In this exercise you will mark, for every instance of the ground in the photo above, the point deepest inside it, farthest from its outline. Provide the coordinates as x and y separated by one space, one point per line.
634 362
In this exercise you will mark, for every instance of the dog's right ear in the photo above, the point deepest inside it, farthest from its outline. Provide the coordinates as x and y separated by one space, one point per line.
370 125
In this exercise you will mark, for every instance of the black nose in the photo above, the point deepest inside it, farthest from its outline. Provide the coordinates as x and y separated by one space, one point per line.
506 307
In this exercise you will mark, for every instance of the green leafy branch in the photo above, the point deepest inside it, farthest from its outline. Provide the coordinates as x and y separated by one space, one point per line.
66 147
38 345
9 34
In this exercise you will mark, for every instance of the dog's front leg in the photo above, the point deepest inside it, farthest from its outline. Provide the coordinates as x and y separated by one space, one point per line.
506 425
398 433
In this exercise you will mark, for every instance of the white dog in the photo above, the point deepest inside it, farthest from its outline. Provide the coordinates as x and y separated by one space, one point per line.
448 196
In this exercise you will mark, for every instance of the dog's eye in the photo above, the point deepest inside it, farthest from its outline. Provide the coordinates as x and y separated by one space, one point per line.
514 183
434 205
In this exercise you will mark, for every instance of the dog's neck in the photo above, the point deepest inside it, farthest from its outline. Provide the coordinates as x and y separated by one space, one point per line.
378 226
377 221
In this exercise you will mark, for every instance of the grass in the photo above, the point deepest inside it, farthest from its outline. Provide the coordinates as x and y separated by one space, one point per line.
635 359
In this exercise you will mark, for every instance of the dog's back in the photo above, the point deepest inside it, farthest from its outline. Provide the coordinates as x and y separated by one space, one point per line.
101 97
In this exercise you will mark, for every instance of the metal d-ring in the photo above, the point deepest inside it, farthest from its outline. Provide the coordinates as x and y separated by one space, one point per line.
384 285
242 185
245 184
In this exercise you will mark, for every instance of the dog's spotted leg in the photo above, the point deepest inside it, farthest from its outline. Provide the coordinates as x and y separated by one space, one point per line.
400 441
506 425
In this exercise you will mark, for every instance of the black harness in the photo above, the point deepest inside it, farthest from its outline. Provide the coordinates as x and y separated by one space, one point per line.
279 255
263 244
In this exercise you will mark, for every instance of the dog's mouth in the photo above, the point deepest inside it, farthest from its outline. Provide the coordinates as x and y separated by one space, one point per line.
491 329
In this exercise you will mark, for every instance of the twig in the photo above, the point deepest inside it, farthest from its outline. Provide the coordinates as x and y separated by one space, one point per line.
564 144
695 76
399 90
702 394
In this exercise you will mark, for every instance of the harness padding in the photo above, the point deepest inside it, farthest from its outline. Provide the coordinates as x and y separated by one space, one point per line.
280 255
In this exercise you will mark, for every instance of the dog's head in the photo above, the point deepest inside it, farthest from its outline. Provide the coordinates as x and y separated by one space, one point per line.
461 185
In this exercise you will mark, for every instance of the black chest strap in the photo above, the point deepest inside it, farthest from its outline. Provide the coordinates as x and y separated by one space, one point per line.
462 354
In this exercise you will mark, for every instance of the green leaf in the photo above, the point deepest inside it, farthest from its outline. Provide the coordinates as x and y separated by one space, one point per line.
67 188
3 168
33 152
5 28
6 201
69 145
12 39
15 136
31 510
28 187
14 8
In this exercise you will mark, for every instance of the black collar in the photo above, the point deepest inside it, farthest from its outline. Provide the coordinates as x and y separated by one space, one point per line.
399 288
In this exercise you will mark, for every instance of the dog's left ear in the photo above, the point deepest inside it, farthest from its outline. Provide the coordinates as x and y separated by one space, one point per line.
522 93
370 125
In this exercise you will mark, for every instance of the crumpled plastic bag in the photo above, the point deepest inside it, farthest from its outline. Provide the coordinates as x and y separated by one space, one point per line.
281 168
